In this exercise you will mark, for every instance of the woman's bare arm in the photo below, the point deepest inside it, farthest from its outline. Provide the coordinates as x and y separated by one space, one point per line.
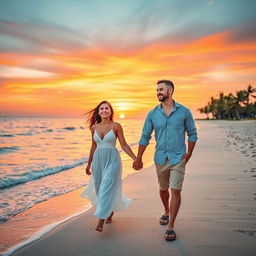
120 135
93 147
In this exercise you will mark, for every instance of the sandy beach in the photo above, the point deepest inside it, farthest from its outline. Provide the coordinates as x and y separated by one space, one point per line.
217 215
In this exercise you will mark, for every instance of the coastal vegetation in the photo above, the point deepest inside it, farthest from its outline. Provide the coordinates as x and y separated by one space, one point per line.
241 105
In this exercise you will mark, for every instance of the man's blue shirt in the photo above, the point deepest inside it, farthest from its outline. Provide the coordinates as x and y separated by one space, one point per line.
169 132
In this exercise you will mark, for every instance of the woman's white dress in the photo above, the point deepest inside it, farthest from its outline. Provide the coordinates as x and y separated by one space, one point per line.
105 188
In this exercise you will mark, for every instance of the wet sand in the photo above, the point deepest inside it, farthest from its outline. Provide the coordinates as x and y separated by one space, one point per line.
217 215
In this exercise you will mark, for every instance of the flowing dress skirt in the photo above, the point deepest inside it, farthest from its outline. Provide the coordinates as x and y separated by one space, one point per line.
105 188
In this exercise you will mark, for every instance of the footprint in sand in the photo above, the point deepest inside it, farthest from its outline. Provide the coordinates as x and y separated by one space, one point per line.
247 232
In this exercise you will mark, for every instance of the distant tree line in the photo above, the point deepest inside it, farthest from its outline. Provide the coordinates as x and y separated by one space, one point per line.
232 106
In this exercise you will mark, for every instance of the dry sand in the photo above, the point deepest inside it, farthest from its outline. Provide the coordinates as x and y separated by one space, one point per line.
217 215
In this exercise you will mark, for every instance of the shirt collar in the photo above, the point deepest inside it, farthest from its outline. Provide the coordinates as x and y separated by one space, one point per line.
176 105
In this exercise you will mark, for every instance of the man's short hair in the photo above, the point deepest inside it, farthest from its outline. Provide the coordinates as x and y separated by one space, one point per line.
167 82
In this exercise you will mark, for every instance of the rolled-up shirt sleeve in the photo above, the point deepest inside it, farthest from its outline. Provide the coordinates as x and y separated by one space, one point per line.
146 131
190 127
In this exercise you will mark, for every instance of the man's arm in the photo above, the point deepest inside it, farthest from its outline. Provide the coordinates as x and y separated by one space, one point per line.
191 146
192 135
138 164
144 141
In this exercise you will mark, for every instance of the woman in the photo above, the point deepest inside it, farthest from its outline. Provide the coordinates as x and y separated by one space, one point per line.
105 188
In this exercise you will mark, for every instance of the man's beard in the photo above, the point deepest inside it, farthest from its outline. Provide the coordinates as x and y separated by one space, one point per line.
164 98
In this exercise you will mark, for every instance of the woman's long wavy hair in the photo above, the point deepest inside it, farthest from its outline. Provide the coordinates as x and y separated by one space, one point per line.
93 115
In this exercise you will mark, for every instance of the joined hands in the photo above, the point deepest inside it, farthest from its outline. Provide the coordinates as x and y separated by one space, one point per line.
137 164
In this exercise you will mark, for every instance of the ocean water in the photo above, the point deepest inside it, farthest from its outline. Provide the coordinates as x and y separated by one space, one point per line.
34 150
42 162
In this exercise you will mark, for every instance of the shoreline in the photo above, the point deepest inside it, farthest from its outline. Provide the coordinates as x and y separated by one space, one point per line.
51 227
38 212
44 231
230 207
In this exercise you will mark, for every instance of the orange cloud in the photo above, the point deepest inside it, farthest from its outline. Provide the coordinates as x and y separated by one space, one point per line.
72 83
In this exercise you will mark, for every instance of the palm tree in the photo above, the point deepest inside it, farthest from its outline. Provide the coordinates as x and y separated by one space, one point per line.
229 102
201 110
216 106
221 104
239 98
213 107
249 92
205 110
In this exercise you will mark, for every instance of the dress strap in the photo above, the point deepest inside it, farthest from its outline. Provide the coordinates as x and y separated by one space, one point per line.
113 125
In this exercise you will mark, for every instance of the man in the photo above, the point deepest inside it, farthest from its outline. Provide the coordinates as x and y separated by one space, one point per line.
170 121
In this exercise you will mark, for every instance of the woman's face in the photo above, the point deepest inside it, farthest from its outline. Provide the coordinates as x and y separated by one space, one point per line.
104 111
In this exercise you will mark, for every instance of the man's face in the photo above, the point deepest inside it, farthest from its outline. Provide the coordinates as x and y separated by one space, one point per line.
162 92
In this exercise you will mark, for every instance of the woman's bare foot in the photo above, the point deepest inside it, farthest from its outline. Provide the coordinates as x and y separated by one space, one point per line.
109 219
100 225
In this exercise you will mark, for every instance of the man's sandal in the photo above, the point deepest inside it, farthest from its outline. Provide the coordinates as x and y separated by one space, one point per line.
164 220
170 235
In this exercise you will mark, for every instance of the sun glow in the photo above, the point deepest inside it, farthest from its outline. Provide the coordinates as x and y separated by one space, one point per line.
122 105
122 116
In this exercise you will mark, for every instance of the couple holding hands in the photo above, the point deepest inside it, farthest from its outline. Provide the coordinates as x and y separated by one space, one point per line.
170 122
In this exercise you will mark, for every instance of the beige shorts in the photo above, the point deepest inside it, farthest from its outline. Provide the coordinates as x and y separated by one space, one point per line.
171 176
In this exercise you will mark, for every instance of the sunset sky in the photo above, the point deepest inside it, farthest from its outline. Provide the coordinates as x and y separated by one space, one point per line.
62 57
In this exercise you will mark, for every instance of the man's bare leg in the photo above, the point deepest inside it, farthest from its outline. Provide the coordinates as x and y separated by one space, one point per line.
174 209
174 206
164 195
